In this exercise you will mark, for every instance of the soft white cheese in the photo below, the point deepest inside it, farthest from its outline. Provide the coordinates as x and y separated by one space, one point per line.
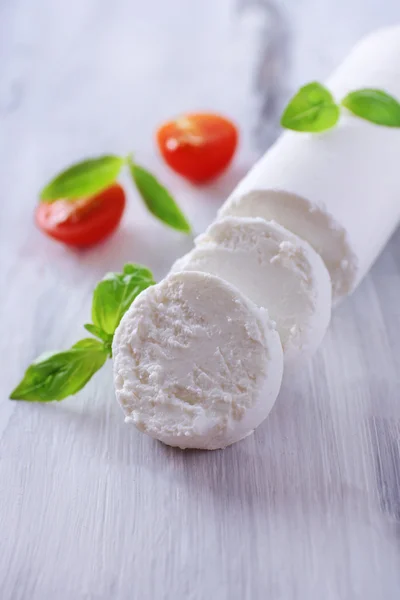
338 190
197 359
276 270
196 364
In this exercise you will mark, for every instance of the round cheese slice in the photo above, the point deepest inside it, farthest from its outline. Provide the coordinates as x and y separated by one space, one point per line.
276 270
196 364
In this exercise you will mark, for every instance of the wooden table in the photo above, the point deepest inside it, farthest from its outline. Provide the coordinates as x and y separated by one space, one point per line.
306 509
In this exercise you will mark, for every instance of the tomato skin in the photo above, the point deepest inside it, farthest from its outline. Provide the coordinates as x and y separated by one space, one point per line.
198 146
83 222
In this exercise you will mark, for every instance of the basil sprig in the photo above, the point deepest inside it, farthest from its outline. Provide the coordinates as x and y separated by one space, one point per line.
94 175
56 375
313 109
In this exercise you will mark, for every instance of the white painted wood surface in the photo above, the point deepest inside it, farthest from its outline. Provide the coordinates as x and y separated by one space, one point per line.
306 509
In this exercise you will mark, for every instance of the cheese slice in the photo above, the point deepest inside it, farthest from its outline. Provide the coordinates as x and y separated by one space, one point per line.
196 364
276 270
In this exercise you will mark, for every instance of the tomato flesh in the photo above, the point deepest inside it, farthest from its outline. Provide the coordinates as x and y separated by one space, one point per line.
198 146
83 222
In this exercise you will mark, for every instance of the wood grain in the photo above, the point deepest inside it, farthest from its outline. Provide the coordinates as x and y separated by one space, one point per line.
308 507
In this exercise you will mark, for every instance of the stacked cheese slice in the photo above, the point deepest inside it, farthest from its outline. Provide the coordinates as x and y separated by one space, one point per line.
199 357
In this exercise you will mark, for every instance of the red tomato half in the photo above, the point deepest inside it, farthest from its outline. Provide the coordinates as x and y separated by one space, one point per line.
198 146
85 221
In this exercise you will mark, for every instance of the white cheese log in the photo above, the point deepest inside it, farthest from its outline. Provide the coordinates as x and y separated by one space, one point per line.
338 190
276 270
196 364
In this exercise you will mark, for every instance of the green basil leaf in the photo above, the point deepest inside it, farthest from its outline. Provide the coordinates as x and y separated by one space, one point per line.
375 106
99 333
115 293
54 376
137 270
83 179
102 335
87 343
312 109
158 199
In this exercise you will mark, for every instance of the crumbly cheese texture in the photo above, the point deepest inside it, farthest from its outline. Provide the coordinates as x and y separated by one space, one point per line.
276 270
196 364
338 190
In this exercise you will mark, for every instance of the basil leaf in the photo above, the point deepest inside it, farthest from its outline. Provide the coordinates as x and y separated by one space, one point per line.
102 335
375 106
312 109
157 199
115 293
99 333
83 179
138 270
54 376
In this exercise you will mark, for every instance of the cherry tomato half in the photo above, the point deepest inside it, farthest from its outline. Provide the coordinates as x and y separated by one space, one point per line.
85 221
198 146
